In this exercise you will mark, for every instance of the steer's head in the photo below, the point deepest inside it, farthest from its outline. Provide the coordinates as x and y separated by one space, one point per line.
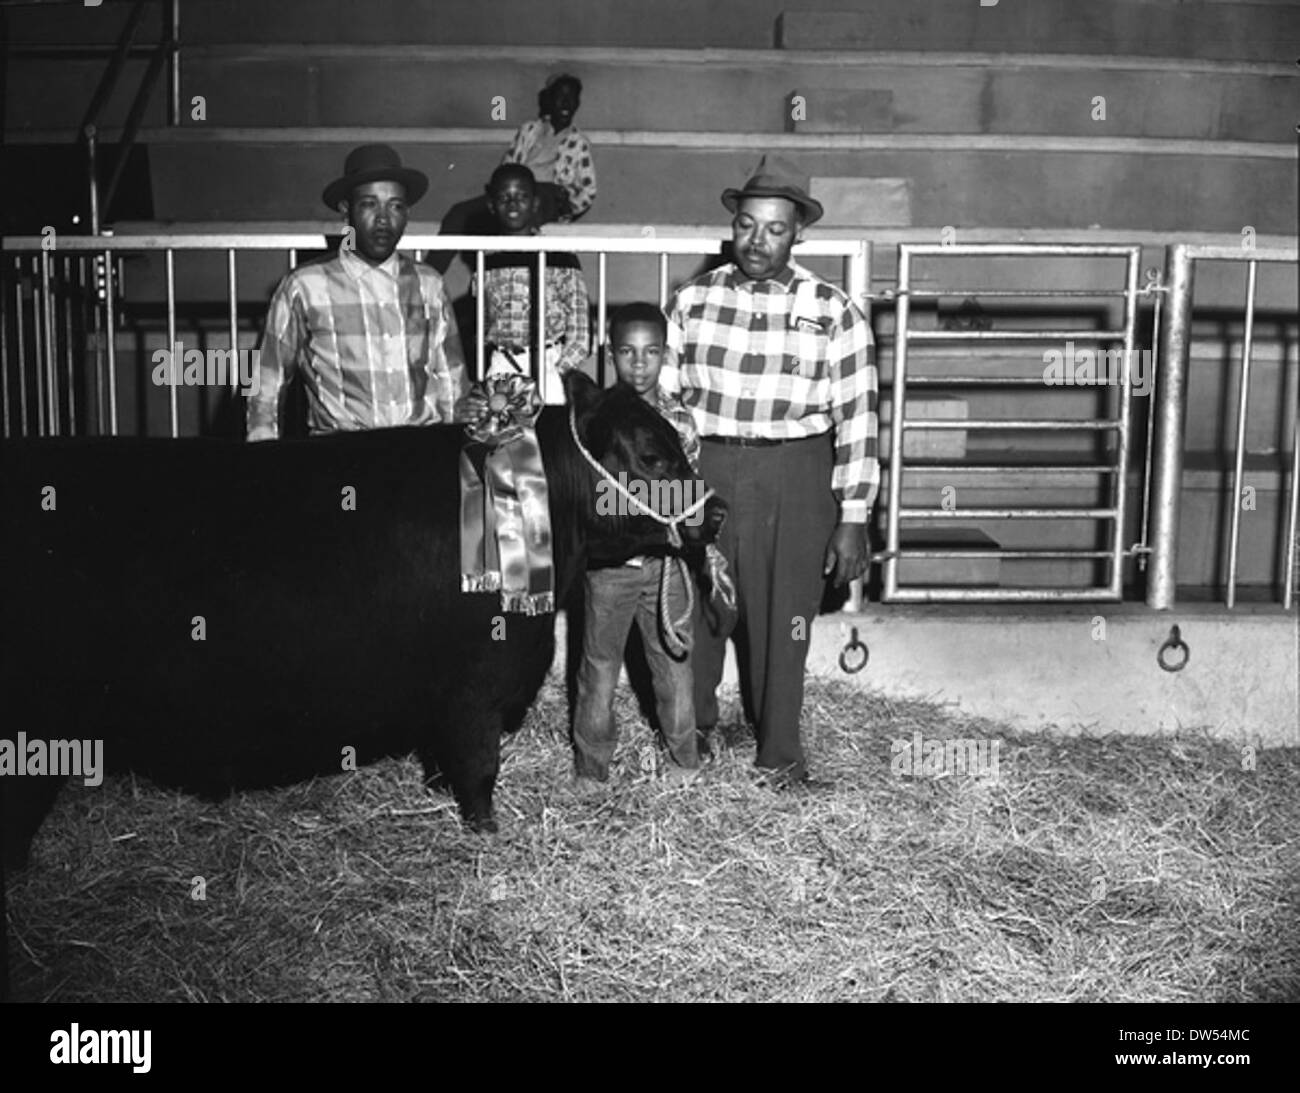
644 467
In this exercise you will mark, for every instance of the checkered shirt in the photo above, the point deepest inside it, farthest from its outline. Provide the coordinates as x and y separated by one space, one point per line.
783 358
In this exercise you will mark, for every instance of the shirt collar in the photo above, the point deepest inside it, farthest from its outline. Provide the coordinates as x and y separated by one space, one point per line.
737 279
356 268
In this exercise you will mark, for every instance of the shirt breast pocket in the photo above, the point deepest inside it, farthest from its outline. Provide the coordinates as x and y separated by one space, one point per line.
806 352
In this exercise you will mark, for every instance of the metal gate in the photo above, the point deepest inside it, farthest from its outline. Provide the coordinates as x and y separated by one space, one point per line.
1109 515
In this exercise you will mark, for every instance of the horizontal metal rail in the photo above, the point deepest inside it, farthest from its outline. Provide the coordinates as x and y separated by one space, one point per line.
1016 335
1001 555
1011 468
972 513
1015 293
1021 424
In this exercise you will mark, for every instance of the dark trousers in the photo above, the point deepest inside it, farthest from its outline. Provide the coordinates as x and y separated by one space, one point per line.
782 513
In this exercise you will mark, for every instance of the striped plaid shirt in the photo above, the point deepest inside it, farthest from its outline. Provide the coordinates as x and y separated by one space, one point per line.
376 346
508 309
783 358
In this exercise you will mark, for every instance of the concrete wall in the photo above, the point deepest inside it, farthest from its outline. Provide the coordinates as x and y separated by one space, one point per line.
1240 30
964 187
348 85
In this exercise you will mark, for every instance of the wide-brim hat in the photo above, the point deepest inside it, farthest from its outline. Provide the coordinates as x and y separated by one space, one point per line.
375 163
777 177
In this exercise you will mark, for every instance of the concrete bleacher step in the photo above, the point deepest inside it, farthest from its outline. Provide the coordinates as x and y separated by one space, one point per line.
275 174
1102 27
1109 27
253 84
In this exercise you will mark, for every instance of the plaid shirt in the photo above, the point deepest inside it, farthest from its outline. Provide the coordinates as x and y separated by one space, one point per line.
783 358
376 346
508 312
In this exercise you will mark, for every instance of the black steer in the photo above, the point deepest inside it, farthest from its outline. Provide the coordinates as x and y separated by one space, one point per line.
324 629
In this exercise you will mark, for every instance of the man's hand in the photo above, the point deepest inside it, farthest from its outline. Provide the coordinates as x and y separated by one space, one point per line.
470 406
846 553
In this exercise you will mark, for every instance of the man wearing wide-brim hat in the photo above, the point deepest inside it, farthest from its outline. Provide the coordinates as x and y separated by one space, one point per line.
370 332
777 366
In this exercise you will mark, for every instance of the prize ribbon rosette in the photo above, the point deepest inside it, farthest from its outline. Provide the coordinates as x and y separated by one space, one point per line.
505 525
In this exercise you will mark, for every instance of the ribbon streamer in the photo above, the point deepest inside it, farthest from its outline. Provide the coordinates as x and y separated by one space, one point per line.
505 529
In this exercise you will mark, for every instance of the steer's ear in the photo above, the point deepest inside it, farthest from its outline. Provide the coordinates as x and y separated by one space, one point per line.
580 390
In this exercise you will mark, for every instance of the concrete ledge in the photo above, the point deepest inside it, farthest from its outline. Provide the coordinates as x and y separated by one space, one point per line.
690 140
1037 669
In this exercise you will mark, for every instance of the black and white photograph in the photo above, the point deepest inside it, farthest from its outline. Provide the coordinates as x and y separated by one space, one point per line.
678 501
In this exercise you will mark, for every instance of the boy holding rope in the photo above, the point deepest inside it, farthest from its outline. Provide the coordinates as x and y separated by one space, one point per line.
638 335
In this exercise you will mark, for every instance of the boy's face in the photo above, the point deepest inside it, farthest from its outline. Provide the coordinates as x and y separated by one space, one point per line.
513 203
638 355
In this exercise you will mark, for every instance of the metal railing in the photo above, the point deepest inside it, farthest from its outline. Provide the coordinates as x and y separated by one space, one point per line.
103 283
1175 338
906 336
61 314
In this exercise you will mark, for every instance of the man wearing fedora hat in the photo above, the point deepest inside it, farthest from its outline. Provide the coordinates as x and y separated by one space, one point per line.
371 333
778 368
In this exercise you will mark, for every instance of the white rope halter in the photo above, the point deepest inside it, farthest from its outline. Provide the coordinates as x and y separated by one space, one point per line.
672 628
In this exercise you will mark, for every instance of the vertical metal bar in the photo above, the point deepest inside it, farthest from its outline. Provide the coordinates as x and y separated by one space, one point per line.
293 258
1239 464
19 341
602 306
172 348
69 355
1119 487
93 178
110 334
855 283
898 399
173 34
232 286
95 328
51 343
480 334
663 279
541 373
1144 531
1171 426
4 358
38 345
1288 571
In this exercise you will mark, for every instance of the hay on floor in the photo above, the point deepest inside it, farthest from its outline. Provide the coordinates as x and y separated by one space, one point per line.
1117 869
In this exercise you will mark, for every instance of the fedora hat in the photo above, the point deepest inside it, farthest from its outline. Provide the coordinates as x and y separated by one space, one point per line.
374 163
777 177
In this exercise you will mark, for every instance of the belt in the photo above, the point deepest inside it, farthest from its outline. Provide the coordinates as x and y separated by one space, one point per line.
752 441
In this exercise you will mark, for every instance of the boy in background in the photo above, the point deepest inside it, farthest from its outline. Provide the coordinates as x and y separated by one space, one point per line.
615 596
510 337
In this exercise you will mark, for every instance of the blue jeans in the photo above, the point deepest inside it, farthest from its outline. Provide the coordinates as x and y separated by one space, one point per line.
615 597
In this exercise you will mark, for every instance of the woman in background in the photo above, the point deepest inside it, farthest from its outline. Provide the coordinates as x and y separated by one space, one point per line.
559 156
557 152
